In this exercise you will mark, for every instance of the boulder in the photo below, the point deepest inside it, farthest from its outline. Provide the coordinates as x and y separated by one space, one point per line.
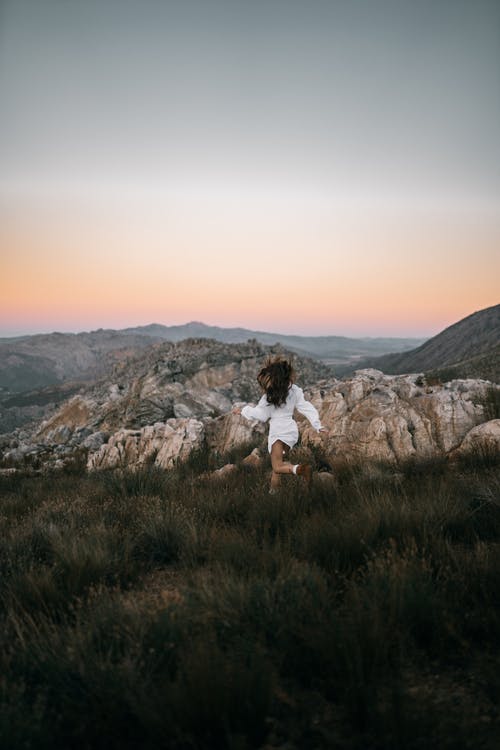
325 479
254 459
484 437
94 441
181 437
224 471
231 430
60 434
182 410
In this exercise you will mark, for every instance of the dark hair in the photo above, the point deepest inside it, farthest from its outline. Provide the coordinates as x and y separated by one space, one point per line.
276 378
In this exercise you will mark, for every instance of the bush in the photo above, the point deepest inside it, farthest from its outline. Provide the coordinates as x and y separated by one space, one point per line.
154 609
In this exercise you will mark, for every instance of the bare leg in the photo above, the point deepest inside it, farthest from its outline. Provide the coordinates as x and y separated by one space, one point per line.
275 480
278 451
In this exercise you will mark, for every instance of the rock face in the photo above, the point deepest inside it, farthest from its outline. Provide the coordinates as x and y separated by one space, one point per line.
192 379
231 430
161 444
373 415
157 409
76 412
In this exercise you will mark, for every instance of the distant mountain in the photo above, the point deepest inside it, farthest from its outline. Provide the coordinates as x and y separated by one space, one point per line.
28 362
330 349
468 348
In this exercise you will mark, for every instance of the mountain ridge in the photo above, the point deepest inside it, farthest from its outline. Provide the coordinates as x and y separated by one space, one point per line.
321 347
44 359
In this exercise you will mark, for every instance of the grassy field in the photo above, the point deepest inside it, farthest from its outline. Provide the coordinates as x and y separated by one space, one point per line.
161 610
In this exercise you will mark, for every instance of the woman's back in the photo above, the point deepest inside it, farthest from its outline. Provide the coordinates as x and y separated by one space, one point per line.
286 409
294 400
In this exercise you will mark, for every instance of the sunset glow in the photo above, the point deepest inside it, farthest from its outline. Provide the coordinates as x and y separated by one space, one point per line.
284 197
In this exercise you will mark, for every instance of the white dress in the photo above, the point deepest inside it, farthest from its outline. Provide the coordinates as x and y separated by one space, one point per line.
282 425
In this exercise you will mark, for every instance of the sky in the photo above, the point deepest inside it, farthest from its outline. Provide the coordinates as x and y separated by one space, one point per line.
315 167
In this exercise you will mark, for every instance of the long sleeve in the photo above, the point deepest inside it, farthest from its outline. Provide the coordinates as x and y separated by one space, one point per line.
260 412
307 409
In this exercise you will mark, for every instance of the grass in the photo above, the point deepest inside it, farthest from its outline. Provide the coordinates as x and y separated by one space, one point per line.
160 609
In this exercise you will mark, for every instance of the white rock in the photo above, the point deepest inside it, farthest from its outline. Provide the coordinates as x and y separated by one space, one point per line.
485 436
182 436
390 417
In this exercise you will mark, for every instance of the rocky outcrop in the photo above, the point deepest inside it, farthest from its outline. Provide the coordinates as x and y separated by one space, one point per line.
193 379
161 444
379 416
76 412
158 409
165 443
371 416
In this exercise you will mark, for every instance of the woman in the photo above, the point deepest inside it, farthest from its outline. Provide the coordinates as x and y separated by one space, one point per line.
281 397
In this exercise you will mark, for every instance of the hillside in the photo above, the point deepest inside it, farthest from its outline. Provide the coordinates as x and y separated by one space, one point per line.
468 348
30 362
486 366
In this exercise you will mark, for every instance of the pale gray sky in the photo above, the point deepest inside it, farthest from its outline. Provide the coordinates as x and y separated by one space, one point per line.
404 95
189 145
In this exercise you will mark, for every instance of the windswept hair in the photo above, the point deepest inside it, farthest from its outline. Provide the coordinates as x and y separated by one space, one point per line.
276 378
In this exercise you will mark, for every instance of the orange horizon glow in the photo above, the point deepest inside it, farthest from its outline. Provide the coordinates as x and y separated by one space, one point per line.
269 268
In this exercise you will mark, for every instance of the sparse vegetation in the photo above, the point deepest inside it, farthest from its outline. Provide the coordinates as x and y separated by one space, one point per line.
160 609
485 366
470 348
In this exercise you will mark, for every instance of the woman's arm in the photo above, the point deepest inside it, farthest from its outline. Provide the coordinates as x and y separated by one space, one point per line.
307 409
260 412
